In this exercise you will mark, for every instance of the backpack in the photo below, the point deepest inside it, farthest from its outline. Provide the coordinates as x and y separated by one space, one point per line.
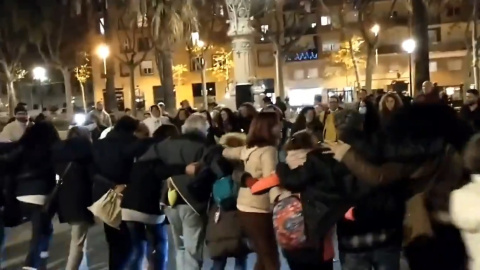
289 223
225 192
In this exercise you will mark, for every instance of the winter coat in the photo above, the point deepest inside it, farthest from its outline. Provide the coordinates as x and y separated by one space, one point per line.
186 149
327 190
75 194
112 161
259 162
224 236
464 204
147 178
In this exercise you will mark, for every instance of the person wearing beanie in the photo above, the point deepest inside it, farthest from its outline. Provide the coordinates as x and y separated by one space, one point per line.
14 130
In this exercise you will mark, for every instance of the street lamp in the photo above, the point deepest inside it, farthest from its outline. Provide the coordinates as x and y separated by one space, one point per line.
409 46
375 30
103 52
199 49
39 76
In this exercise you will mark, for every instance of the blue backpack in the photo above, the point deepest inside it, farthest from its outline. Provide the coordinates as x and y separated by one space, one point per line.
225 192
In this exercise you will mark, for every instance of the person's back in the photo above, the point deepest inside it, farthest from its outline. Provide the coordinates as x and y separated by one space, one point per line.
464 203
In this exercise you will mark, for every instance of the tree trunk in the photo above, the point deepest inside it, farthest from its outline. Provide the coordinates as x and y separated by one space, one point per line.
165 67
68 92
467 71
279 82
12 98
110 96
82 87
420 35
369 68
133 96
355 65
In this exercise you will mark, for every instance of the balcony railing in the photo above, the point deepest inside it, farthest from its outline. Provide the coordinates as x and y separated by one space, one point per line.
434 47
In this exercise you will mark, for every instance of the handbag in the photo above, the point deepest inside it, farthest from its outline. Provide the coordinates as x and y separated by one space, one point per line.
108 209
52 197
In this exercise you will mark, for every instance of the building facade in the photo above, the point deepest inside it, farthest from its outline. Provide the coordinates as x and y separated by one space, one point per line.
308 69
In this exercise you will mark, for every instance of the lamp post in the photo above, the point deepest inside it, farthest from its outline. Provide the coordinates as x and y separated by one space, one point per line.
409 46
39 76
375 30
199 50
103 51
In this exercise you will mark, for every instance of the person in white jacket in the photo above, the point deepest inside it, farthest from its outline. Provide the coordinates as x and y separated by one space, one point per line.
156 120
464 204
14 130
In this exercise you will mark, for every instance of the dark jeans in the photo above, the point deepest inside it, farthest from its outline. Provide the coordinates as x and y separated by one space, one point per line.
220 264
157 236
42 231
387 258
306 259
119 246
444 251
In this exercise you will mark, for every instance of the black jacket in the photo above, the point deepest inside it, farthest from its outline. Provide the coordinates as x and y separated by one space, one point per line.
186 149
327 190
112 161
75 194
147 178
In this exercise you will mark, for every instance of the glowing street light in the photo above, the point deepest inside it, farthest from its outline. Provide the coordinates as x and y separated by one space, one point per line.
103 51
40 74
375 29
409 46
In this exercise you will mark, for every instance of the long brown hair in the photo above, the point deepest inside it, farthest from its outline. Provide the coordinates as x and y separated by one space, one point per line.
382 107
261 130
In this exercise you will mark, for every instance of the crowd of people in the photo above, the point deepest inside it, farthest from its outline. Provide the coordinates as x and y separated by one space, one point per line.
386 177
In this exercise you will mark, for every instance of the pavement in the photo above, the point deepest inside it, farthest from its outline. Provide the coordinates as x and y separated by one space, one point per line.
97 252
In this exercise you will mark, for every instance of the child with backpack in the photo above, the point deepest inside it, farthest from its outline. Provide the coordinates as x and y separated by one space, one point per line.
300 249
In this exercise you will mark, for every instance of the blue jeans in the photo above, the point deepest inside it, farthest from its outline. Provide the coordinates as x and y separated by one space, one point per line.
157 248
220 264
387 258
42 231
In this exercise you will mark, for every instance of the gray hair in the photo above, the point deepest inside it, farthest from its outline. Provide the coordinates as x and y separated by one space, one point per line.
195 123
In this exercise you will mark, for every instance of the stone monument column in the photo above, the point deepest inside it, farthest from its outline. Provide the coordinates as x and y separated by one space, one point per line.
242 34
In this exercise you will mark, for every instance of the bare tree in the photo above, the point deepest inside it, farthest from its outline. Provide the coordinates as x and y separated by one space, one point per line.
13 42
60 32
285 31
370 25
136 44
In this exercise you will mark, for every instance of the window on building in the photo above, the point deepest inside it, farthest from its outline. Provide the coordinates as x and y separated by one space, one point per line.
264 28
125 46
197 89
434 35
330 47
299 74
124 70
196 64
143 44
102 26
146 68
453 11
312 73
454 64
433 66
142 20
325 20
